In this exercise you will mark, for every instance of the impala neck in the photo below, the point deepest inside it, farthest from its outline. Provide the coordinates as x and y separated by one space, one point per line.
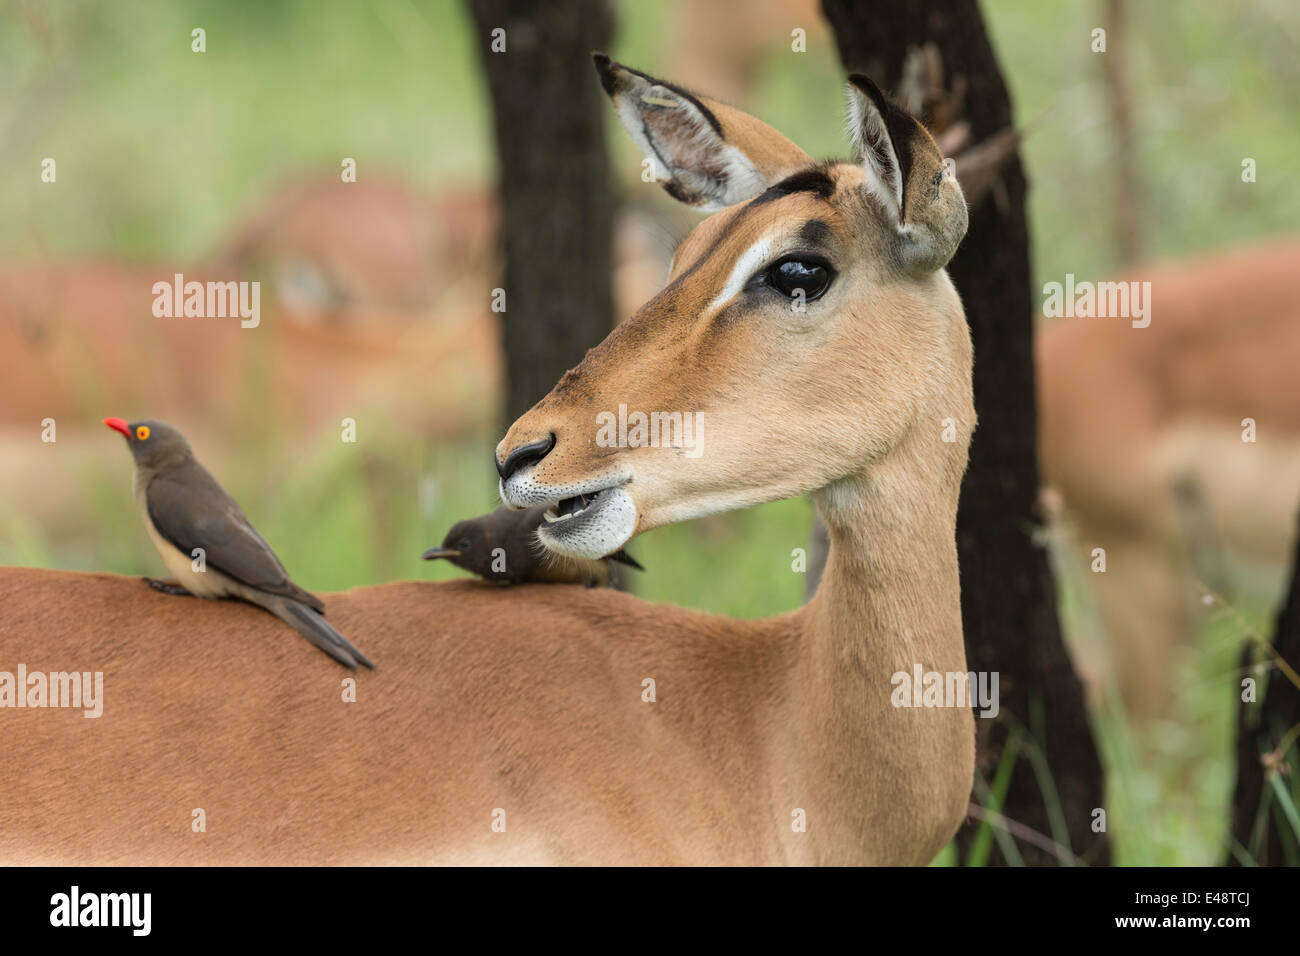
888 600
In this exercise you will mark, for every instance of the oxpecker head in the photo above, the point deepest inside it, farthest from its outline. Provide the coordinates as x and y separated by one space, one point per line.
150 441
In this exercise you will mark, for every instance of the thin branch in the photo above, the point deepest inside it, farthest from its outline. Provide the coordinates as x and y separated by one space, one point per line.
1022 832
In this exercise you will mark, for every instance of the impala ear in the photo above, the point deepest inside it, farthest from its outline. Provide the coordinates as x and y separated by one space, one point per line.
708 155
906 173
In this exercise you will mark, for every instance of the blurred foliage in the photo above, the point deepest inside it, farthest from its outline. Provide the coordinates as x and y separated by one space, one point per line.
162 152
1211 83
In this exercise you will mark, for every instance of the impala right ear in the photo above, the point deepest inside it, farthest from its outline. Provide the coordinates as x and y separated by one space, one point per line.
708 155
907 175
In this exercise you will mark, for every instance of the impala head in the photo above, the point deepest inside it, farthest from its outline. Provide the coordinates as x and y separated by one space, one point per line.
805 326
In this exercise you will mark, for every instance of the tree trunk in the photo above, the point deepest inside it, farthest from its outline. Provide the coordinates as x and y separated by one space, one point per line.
1258 821
1008 598
553 175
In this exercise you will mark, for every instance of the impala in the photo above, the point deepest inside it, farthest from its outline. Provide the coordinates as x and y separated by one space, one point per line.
811 320
1144 437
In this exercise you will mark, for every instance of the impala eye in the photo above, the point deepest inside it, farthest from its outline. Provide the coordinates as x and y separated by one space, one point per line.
790 275
142 432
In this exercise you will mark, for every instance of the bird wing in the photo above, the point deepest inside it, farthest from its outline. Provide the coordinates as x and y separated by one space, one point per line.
191 510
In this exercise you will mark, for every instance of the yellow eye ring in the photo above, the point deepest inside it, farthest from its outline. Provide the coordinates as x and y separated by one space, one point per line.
142 432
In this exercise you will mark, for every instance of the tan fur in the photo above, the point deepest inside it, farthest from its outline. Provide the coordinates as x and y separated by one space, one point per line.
529 699
1140 433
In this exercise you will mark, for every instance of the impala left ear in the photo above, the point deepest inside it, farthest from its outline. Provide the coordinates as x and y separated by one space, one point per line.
707 154
906 174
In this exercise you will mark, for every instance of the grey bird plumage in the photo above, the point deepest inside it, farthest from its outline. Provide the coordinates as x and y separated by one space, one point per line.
502 546
184 508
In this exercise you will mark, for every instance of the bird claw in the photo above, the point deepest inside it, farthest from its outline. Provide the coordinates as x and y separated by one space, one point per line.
167 587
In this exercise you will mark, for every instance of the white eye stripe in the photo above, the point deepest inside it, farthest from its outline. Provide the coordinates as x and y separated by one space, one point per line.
746 265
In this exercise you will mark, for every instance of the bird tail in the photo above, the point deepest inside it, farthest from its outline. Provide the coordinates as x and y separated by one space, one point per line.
622 557
317 630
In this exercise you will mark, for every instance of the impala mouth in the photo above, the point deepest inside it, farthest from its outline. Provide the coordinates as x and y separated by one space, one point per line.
572 507
589 525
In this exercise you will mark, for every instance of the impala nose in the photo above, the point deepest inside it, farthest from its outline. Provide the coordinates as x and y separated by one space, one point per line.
528 454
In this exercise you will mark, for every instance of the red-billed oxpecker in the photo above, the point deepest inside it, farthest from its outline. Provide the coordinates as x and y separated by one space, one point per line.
185 510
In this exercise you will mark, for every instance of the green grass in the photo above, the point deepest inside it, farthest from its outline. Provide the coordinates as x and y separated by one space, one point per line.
1170 788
